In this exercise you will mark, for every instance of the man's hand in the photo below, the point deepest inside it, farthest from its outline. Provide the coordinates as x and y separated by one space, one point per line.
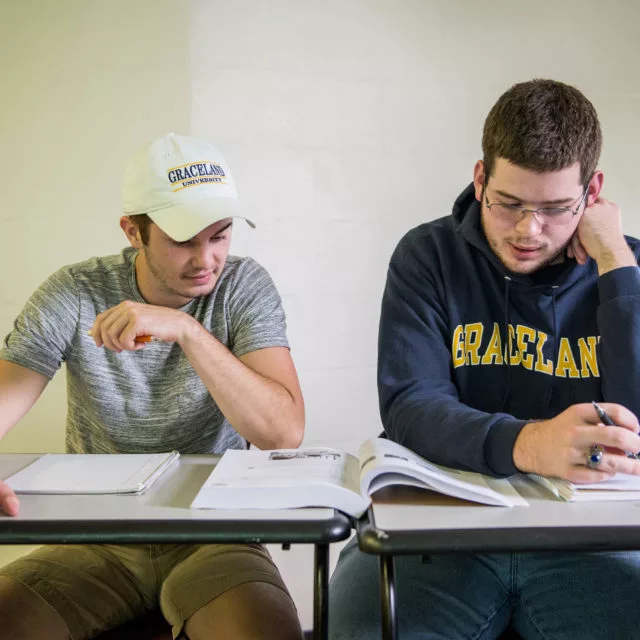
118 327
599 236
559 447
9 503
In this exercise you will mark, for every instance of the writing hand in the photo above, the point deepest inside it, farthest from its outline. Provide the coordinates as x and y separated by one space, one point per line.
559 447
126 327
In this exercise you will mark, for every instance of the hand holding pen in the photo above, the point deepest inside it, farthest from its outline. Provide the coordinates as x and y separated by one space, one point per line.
606 420
578 446
131 326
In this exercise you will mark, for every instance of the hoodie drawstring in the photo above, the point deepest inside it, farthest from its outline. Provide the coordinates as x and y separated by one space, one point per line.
556 354
505 396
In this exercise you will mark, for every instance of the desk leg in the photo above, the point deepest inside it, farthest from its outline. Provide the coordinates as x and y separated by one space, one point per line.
388 598
321 593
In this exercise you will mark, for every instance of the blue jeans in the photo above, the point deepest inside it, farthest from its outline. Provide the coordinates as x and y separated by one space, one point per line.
462 596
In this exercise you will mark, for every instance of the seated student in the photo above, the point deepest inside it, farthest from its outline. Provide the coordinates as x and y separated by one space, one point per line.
219 375
500 324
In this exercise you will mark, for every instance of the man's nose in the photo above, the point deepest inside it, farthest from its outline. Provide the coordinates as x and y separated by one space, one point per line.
529 223
203 257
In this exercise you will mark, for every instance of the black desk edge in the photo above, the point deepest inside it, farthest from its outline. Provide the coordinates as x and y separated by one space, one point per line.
16 531
509 539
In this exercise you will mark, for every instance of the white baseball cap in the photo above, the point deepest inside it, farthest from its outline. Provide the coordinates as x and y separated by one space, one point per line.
183 184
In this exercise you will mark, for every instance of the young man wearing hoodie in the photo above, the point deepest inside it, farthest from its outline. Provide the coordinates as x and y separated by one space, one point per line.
500 324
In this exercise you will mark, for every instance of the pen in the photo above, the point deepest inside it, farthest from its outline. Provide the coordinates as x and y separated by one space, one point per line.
139 339
605 419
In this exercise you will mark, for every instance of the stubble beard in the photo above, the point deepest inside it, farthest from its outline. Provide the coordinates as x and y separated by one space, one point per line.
556 258
163 281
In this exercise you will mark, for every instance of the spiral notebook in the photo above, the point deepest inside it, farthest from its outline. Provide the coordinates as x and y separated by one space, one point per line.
73 473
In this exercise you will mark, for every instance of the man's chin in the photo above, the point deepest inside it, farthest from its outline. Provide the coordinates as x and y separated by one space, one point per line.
197 290
523 268
527 267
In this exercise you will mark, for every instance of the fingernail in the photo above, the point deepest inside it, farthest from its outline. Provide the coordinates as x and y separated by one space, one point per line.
13 504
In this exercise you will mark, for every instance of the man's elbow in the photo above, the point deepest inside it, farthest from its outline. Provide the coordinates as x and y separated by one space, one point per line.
294 433
290 439
296 436
279 433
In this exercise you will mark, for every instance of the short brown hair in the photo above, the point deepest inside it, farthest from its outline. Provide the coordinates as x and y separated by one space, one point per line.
543 125
142 221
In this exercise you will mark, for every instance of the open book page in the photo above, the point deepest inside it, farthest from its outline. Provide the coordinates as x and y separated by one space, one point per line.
91 473
384 463
621 487
282 479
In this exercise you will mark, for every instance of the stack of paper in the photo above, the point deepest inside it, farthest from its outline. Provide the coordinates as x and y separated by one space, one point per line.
620 487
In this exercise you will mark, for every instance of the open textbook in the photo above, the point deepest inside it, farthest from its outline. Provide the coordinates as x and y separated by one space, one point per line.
620 487
319 477
80 473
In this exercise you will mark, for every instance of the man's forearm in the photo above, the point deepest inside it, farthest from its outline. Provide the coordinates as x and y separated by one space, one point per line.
261 410
615 259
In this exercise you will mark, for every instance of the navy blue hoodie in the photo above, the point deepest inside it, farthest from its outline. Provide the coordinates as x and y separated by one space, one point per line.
448 390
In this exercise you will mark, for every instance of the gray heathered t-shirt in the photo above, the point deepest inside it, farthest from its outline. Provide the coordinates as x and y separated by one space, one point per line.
149 400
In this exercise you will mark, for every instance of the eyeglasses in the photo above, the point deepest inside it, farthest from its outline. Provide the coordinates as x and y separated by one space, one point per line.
545 215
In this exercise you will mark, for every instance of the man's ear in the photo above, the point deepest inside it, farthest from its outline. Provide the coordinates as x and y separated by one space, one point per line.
131 231
478 179
594 188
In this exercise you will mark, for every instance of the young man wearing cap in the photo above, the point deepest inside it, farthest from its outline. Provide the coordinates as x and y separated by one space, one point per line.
217 374
500 324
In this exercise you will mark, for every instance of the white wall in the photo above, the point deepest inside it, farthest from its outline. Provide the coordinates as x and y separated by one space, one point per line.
345 123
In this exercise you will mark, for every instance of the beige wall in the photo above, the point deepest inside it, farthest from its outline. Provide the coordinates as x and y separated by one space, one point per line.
82 84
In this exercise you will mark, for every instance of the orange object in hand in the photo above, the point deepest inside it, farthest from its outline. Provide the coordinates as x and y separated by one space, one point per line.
139 339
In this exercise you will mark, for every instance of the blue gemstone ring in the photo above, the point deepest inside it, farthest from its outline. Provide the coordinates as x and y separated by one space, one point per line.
595 456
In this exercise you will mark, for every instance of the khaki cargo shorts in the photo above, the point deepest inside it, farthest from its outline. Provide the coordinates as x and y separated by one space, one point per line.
97 587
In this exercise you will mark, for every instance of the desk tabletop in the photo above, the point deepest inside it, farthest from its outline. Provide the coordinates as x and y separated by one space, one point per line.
408 521
160 515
